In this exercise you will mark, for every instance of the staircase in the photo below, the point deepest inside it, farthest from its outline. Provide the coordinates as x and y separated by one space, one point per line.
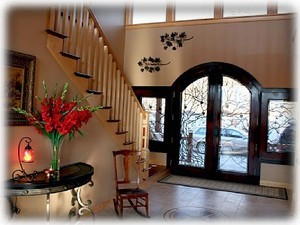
78 44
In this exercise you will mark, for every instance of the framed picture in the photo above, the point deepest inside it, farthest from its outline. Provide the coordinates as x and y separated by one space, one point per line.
20 85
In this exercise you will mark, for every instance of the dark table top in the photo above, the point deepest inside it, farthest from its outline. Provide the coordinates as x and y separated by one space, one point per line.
70 176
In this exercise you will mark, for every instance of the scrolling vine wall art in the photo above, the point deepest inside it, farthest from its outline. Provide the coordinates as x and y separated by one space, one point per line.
151 64
174 40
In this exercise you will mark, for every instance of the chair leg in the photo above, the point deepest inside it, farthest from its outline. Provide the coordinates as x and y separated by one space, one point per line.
121 207
147 206
116 206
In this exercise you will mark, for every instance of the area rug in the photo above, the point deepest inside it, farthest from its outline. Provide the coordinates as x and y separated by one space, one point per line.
271 192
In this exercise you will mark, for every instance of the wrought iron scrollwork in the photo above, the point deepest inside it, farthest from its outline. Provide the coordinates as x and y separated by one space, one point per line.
81 207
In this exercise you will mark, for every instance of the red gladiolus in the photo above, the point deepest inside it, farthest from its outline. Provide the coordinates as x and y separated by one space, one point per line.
58 117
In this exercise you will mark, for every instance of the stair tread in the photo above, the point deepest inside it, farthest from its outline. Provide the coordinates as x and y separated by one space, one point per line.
84 75
106 107
94 92
121 132
69 55
56 34
113 121
128 142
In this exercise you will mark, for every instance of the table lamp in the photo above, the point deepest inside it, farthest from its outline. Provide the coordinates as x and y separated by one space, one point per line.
25 156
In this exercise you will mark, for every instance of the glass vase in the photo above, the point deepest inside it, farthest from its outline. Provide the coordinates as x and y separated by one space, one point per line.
55 152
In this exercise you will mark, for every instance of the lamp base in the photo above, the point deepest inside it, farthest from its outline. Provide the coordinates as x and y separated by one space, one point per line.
19 174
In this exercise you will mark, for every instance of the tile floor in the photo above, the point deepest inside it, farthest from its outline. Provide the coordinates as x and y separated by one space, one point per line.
174 202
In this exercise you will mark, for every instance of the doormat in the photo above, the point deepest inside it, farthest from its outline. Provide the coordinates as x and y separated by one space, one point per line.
270 192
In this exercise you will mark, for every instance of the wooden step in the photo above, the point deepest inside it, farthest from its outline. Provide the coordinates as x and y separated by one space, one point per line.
93 92
158 175
69 55
128 143
83 75
113 121
106 107
121 132
56 34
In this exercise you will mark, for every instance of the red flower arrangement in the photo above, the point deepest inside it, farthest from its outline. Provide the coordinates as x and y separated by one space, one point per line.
58 118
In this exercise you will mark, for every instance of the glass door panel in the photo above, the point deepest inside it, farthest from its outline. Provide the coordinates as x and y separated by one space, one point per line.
193 124
234 133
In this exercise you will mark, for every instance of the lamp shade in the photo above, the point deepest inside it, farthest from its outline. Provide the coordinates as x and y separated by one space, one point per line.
28 155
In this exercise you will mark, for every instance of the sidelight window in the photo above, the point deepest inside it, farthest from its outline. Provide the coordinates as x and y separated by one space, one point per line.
281 126
278 126
156 108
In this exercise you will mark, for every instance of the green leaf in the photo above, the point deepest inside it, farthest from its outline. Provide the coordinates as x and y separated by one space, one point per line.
84 98
54 92
71 136
45 89
65 90
81 133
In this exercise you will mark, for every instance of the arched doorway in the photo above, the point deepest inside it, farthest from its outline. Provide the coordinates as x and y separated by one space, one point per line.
215 114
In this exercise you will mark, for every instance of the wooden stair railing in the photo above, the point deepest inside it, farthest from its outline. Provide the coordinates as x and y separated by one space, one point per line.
85 43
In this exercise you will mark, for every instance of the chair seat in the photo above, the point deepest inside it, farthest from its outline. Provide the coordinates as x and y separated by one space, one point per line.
131 191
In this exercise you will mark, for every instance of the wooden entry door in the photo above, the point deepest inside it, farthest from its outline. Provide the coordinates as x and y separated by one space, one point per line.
215 112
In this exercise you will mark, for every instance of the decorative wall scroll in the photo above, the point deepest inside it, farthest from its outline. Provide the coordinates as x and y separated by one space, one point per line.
151 64
174 40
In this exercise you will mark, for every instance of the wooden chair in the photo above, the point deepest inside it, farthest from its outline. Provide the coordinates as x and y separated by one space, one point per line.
126 189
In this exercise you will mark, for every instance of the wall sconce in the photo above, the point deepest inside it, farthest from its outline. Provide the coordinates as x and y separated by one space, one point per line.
26 156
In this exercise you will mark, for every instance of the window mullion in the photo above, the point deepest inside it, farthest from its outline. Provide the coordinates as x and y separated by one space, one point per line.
272 8
218 10
129 14
170 14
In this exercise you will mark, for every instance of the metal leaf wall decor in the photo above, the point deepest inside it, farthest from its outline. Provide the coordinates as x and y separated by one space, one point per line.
174 40
151 64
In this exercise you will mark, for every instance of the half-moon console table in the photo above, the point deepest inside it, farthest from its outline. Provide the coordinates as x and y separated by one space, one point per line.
71 177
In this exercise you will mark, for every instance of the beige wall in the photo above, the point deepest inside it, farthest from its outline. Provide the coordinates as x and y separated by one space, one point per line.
27 34
277 175
262 48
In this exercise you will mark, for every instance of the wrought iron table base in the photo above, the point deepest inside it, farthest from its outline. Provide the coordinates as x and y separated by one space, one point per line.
81 206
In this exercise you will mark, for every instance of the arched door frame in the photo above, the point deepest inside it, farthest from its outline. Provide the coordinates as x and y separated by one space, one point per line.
213 70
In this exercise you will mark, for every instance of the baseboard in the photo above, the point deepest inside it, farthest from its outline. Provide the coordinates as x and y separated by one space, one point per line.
275 184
